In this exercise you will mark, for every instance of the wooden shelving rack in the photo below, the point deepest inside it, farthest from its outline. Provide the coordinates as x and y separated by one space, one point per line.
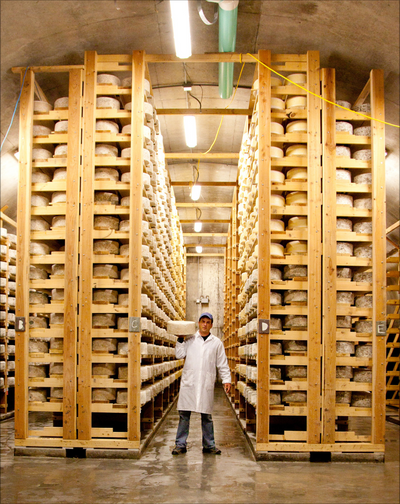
392 334
119 409
279 428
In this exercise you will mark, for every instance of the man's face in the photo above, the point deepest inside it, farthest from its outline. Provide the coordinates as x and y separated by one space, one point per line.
205 325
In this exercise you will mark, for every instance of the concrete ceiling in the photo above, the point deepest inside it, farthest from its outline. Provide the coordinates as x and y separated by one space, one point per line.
352 36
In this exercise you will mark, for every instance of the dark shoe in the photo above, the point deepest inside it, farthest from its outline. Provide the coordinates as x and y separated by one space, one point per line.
213 450
178 450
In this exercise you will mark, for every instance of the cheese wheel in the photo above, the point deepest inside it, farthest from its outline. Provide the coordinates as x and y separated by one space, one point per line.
37 248
276 129
104 394
105 271
39 130
37 200
37 322
297 296
37 394
365 203
293 271
274 397
126 177
363 178
297 78
57 269
344 248
127 129
277 177
106 174
124 250
296 247
363 227
345 347
343 322
107 126
56 319
106 246
124 226
106 222
363 131
276 250
344 372
296 127
343 126
126 153
343 175
105 296
344 297
344 103
123 299
364 302
58 221
275 373
276 152
122 396
275 298
36 370
295 321
38 346
296 371
297 174
181 328
275 81
39 224
294 396
343 150
344 224
275 348
363 326
40 106
61 150
38 297
361 399
58 197
363 251
38 273
343 397
106 150
296 102
363 155
39 177
56 392
61 103
364 350
56 368
106 102
105 198
123 323
277 225
109 79
276 274
104 344
344 199
60 174
57 294
61 127
296 150
297 223
122 372
363 276
103 368
296 198
277 200
364 108
277 104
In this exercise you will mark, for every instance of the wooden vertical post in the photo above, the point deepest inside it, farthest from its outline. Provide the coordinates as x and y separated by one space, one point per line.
135 244
264 260
329 257
71 254
86 249
314 248
235 286
23 254
379 255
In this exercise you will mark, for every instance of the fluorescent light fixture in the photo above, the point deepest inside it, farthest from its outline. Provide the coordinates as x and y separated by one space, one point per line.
199 249
195 192
197 226
181 28
189 123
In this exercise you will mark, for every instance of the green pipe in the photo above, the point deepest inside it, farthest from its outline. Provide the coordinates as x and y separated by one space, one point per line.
227 43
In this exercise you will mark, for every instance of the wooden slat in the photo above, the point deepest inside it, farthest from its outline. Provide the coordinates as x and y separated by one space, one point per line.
379 254
48 69
201 155
135 243
203 184
8 219
71 255
227 57
204 112
264 266
22 277
392 227
86 249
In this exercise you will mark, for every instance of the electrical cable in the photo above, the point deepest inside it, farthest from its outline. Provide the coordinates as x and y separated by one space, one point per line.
190 94
15 109
321 97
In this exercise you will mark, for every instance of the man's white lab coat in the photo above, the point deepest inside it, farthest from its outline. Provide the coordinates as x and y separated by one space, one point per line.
203 358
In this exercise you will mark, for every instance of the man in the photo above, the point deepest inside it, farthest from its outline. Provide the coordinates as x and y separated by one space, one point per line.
204 353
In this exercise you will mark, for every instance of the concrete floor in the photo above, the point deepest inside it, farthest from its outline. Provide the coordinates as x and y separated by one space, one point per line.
233 477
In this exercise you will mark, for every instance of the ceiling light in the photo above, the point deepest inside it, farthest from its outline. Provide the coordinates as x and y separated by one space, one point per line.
199 249
189 123
195 192
181 27
197 226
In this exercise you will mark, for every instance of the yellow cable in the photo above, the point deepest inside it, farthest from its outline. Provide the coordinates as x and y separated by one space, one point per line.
322 98
222 118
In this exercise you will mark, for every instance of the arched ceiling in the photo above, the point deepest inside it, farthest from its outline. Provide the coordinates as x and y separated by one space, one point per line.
352 36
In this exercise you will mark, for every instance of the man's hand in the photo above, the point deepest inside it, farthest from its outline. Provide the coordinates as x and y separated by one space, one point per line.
227 387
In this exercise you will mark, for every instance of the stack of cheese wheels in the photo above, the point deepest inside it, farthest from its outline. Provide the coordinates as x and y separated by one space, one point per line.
181 328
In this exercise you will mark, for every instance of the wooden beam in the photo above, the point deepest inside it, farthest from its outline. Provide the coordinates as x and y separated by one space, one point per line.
227 57
364 94
7 219
204 112
203 205
393 227
48 69
201 155
392 242
204 184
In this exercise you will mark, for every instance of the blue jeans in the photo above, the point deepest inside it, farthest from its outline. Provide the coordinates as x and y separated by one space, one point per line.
183 430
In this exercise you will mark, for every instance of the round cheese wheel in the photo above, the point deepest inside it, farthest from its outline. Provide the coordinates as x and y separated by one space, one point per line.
296 102
277 225
345 347
58 197
106 102
58 221
343 272
344 103
363 155
106 222
123 372
56 319
343 322
343 126
275 298
363 326
277 200
363 251
38 273
38 297
103 368
296 127
343 397
275 373
296 247
344 224
126 153
363 276
295 321
344 248
277 177
124 250
105 198
344 297
363 227
343 150
276 128
297 78
57 294
275 348
293 271
276 274
108 79
57 269
274 397
276 152
109 126
123 300
56 368
296 371
37 394
104 344
276 250
56 392
297 174
275 324
297 296
126 177
365 203
127 129
39 130
124 226
123 323
296 150
364 108
361 399
344 372
60 174
37 322
297 223
41 154
38 346
61 127
126 201
296 198
344 175
363 178
106 150
37 248
122 396
364 302
39 224
344 199
104 394
105 296
364 350
39 177
363 131
61 103
41 106
106 246
277 104
275 81
105 271
181 328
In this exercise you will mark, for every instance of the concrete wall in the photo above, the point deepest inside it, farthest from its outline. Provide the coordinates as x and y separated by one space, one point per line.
205 277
